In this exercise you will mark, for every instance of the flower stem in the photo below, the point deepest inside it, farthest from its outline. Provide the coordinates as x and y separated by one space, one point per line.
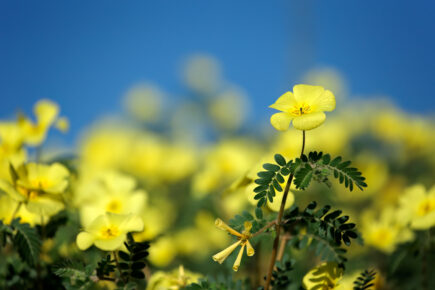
17 209
278 224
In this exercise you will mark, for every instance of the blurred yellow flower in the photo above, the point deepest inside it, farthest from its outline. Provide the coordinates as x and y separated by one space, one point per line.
38 186
174 280
323 277
243 241
162 251
109 191
46 113
417 206
305 107
108 232
386 231
144 102
7 210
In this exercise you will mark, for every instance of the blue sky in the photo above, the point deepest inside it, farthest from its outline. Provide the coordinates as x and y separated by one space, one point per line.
86 54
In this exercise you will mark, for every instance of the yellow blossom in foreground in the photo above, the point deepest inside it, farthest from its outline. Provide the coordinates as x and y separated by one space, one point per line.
7 209
418 207
38 186
176 279
243 241
323 277
305 107
108 232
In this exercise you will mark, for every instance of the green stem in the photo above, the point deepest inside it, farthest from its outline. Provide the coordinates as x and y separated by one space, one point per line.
17 209
119 268
278 224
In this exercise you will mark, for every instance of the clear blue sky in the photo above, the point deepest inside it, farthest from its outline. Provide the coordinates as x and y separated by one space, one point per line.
86 54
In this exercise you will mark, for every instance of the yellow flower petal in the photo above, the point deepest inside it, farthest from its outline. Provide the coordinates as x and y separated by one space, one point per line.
110 244
285 102
222 255
223 226
307 94
281 121
309 121
249 249
325 102
239 259
132 223
46 112
84 240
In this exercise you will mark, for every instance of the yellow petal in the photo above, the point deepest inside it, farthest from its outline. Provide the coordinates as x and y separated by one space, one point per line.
285 102
239 259
223 226
46 112
110 244
325 102
84 240
62 124
307 94
133 223
10 190
44 206
249 249
222 255
309 121
281 121
248 226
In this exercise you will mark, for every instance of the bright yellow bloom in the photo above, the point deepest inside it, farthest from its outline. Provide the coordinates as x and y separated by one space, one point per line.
305 107
243 241
108 232
38 186
323 277
418 207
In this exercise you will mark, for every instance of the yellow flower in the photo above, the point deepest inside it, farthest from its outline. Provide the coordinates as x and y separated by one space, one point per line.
418 207
174 280
46 113
38 186
386 231
109 231
109 191
305 107
323 277
243 241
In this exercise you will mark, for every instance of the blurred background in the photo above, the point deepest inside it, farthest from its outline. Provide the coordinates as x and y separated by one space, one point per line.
87 55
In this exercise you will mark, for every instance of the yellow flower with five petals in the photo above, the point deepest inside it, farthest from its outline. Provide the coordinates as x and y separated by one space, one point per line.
304 107
242 240
108 232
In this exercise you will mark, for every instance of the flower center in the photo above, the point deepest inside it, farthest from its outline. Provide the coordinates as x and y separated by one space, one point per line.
114 206
109 232
300 110
425 207
29 194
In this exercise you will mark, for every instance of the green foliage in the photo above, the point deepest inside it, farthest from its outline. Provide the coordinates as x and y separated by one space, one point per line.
132 263
221 283
319 166
238 221
75 275
56 221
26 241
105 267
326 230
364 280
280 276
269 181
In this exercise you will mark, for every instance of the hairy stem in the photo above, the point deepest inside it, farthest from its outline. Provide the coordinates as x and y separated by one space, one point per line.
278 224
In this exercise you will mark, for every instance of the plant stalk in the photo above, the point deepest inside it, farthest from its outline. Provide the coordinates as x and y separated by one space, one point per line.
278 223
